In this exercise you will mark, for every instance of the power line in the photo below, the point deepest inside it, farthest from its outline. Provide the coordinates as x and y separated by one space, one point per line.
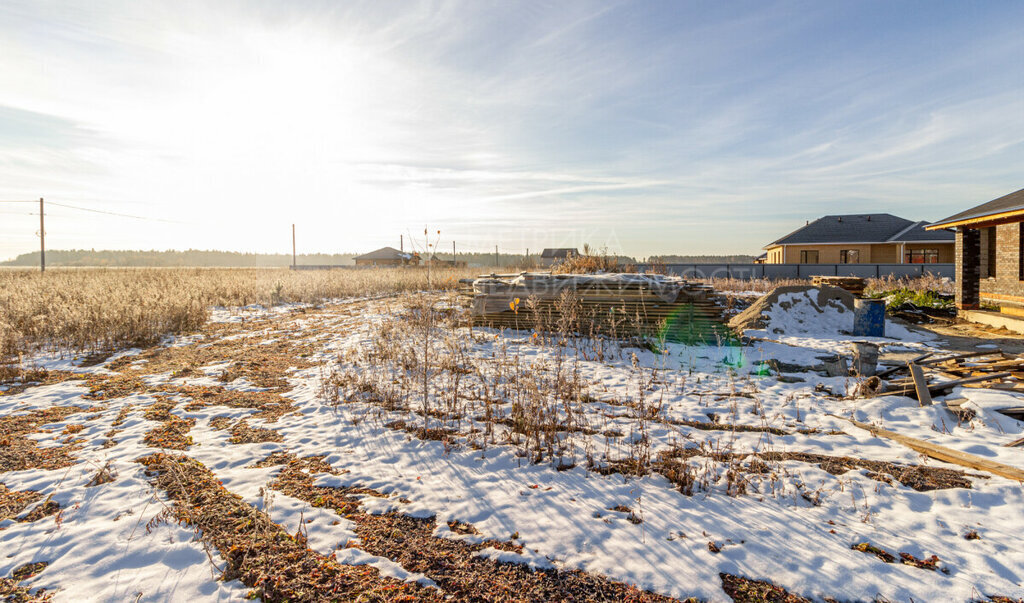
113 213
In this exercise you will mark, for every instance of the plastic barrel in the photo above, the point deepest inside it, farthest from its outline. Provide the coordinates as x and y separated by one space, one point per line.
869 317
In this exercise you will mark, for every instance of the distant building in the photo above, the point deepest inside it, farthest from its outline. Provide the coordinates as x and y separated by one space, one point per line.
863 239
388 256
552 256
436 261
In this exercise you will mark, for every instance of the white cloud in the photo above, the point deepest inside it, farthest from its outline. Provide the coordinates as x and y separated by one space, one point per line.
525 125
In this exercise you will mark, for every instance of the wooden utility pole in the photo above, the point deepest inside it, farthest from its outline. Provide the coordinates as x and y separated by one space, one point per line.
42 239
293 247
496 256
401 243
453 253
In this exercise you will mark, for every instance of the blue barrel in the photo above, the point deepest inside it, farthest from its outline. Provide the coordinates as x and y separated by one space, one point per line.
869 317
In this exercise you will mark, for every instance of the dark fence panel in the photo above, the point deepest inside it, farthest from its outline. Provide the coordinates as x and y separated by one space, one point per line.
784 271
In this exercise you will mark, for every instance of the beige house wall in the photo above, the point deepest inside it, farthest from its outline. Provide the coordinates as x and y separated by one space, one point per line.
947 251
827 254
886 253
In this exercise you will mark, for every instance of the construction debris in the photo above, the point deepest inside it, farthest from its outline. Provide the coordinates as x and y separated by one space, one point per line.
942 453
854 284
928 376
609 304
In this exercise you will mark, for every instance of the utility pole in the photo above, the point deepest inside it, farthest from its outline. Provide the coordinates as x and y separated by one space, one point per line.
496 263
401 243
293 247
42 239
453 253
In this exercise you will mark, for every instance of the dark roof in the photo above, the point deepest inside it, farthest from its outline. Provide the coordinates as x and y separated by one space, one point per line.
559 252
1011 202
385 253
862 228
918 233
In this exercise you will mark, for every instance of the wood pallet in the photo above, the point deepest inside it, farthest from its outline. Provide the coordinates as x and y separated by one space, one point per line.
672 308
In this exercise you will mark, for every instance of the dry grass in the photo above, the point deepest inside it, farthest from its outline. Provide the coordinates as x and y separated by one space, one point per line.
918 284
588 264
88 310
258 552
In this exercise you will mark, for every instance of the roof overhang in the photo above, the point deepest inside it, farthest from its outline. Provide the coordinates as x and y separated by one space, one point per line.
823 244
1011 215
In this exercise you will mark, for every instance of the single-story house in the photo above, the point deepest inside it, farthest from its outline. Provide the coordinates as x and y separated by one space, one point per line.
990 254
863 239
552 256
388 256
437 261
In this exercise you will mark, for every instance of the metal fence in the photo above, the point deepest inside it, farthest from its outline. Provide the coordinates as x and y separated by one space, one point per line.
784 271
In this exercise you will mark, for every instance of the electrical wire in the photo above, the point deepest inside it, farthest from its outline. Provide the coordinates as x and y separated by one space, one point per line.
112 213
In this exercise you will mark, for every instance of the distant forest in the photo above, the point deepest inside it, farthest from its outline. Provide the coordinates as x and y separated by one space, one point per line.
701 259
232 259
189 257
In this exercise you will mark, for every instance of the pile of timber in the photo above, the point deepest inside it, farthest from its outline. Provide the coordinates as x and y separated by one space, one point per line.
610 304
853 284
930 375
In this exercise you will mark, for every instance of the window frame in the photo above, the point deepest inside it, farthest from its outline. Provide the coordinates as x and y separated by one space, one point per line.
927 255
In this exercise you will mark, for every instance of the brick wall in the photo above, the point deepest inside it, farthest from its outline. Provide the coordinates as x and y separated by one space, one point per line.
967 266
1007 281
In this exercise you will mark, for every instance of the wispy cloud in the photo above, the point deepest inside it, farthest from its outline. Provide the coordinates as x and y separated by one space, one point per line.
651 127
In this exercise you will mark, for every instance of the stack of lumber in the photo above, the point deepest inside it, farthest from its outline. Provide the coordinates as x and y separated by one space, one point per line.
930 375
853 284
611 304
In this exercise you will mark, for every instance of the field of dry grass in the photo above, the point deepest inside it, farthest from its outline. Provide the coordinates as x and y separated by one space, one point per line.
91 310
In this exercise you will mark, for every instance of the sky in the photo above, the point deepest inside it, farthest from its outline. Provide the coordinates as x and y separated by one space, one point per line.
642 127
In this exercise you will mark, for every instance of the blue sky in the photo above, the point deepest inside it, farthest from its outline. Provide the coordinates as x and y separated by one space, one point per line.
646 127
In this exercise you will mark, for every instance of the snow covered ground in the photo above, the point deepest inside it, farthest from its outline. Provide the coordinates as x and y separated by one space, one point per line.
535 441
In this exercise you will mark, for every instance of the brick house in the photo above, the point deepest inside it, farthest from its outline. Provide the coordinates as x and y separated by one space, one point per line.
862 239
989 256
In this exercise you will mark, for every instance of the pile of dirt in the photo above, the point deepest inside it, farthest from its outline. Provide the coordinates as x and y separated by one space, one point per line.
803 303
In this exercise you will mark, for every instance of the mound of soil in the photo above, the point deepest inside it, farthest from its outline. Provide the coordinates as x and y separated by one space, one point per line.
758 315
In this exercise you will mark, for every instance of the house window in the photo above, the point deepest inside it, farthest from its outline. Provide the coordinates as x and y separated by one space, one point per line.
849 256
1020 251
989 251
808 257
921 256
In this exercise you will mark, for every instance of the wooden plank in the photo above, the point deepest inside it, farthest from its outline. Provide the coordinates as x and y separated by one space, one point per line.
1019 442
899 367
937 388
920 385
958 357
978 379
942 453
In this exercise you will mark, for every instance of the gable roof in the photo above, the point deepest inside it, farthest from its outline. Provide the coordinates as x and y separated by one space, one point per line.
1014 202
862 228
559 252
385 253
